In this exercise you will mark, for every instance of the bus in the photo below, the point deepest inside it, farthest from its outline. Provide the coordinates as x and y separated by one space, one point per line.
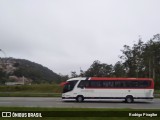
127 89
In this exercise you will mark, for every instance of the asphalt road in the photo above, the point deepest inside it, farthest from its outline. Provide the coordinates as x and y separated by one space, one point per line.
57 102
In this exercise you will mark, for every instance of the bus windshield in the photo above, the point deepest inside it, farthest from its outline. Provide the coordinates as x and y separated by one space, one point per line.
69 86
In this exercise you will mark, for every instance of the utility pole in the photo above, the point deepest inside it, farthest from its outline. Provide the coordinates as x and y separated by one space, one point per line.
3 52
3 62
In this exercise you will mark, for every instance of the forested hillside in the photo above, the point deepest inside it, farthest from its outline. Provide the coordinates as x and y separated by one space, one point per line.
34 72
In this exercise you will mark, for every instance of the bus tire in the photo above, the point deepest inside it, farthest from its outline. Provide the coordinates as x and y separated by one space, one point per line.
79 98
129 99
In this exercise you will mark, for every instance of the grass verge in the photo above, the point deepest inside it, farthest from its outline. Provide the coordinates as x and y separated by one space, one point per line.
24 94
35 88
38 90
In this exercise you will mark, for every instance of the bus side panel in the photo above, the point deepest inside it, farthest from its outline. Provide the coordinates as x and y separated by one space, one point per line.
149 92
114 93
120 93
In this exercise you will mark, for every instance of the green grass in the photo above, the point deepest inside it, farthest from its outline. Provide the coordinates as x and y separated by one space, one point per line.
37 90
24 94
157 91
114 111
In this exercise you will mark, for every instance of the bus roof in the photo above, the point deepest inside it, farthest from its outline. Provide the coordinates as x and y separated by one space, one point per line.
107 78
77 78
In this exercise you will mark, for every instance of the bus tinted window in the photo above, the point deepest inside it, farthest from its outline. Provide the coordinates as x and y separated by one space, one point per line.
144 84
83 83
69 86
114 83
119 84
137 84
96 84
108 84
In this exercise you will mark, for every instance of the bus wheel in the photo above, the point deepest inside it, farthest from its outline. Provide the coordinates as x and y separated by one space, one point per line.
129 99
79 98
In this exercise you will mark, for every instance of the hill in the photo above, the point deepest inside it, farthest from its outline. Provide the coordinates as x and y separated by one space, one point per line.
12 69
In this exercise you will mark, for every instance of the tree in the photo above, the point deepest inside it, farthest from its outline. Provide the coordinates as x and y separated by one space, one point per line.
119 70
98 69
74 74
143 59
133 59
152 59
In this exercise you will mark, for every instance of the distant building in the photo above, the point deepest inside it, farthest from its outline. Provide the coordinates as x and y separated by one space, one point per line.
19 81
14 83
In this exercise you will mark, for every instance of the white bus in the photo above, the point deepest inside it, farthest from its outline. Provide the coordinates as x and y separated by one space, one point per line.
128 89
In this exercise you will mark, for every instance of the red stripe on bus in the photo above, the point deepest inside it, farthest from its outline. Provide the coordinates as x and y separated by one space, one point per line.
105 78
118 88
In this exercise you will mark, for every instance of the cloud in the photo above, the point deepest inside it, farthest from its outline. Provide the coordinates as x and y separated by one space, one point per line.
65 35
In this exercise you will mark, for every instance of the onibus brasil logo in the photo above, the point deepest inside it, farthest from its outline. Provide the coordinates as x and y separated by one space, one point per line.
21 114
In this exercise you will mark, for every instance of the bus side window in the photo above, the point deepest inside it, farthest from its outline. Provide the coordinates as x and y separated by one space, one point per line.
104 84
111 84
128 84
96 84
118 84
147 83
86 83
135 84
144 84
108 84
124 85
83 84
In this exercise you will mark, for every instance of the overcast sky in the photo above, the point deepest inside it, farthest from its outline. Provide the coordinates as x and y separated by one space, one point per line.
66 35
